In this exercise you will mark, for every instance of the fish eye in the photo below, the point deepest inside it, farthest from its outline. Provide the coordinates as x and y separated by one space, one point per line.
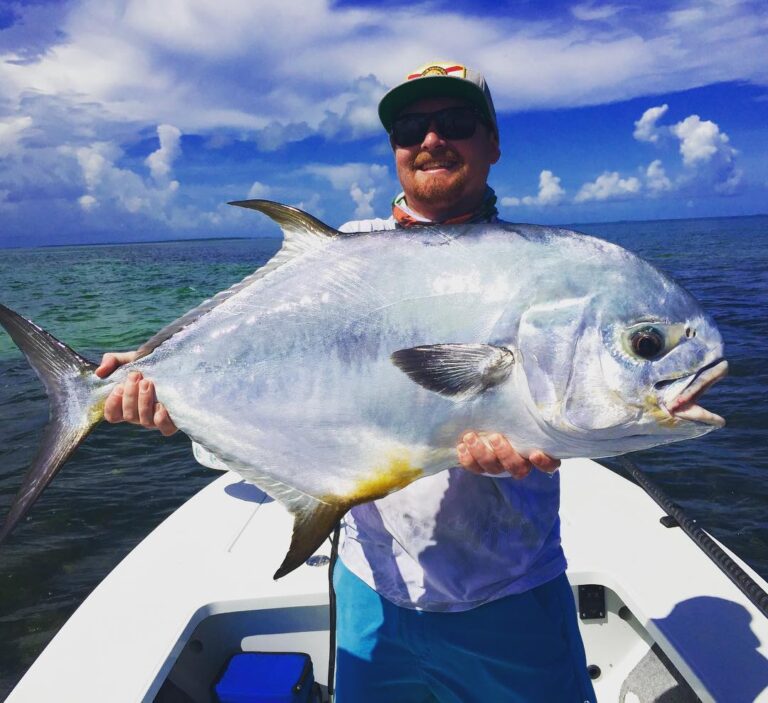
647 342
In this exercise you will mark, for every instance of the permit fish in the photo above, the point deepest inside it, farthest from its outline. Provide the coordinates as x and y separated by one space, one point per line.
350 364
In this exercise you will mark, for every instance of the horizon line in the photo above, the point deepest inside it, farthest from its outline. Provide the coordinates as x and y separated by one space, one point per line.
235 238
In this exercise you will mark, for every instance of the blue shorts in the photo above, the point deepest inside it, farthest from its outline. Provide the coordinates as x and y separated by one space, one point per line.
524 648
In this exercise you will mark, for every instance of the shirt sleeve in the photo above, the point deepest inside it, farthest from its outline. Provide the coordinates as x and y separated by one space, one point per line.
374 225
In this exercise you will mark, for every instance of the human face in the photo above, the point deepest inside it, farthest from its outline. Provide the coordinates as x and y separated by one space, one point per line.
445 178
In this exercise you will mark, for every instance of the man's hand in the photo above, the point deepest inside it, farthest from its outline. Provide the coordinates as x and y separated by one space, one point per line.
134 400
493 454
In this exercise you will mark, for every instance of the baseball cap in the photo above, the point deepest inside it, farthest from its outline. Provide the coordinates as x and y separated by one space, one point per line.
439 80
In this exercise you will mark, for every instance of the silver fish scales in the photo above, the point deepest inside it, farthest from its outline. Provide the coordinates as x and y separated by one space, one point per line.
349 365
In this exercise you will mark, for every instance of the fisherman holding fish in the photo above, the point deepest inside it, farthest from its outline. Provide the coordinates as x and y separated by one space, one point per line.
452 589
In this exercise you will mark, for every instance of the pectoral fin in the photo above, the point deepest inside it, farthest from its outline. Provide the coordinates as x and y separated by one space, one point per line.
456 370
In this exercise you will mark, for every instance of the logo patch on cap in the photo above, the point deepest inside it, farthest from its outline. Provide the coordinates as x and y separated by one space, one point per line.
439 70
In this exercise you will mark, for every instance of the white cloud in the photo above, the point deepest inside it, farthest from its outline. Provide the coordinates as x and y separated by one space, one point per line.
645 128
701 140
283 64
343 176
550 192
656 180
354 177
90 72
363 200
11 131
589 11
608 185
118 188
707 155
259 190
87 202
161 161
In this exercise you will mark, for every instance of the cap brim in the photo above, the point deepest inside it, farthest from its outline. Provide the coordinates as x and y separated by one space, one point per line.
430 87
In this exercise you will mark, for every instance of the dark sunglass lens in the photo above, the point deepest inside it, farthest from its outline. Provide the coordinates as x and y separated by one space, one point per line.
450 123
410 129
456 123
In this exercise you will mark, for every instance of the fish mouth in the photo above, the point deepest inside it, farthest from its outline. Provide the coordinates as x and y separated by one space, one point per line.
683 403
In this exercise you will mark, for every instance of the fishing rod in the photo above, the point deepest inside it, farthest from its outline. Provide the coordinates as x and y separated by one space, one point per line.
743 581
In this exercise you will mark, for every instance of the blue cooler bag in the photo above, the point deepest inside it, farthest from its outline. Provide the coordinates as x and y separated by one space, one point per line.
267 677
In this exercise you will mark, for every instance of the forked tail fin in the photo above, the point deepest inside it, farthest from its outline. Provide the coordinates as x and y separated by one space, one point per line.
76 406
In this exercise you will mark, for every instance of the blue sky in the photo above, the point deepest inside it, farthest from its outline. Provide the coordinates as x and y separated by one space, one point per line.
123 120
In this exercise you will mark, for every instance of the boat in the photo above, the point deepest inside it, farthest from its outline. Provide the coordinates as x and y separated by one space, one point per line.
661 620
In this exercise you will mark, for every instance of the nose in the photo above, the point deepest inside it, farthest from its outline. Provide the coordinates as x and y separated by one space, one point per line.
432 139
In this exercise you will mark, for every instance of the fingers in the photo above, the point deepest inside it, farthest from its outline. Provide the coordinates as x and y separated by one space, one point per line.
113 406
544 462
510 460
476 456
135 401
113 360
493 454
163 420
131 398
146 403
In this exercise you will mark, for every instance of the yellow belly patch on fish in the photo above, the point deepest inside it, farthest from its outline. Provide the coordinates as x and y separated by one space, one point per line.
397 471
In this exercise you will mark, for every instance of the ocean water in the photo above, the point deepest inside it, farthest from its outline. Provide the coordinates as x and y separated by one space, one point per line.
124 480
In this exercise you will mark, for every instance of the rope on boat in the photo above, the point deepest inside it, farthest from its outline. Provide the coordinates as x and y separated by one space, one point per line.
332 608
744 582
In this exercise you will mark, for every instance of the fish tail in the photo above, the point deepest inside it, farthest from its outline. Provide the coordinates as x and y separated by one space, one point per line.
76 406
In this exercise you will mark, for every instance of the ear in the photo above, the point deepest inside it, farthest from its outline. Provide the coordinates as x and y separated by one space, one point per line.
495 153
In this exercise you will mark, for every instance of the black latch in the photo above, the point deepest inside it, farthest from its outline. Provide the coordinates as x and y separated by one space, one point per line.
669 521
591 602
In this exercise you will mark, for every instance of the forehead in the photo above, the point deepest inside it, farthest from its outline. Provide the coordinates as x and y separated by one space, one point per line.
432 104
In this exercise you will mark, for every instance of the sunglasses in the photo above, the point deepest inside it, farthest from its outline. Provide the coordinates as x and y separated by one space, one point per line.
450 123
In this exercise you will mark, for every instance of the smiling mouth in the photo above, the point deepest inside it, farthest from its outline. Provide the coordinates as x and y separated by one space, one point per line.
438 165
683 405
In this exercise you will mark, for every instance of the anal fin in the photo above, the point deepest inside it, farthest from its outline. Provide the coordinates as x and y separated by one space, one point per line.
313 522
313 519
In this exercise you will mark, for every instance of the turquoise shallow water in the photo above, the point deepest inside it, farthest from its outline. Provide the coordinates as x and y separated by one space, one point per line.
123 481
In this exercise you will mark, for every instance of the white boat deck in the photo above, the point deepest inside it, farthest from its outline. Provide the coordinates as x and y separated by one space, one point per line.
217 553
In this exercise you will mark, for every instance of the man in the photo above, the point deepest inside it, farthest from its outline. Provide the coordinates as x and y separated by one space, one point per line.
452 589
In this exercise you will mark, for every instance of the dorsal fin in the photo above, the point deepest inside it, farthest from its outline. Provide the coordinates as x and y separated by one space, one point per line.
291 220
301 233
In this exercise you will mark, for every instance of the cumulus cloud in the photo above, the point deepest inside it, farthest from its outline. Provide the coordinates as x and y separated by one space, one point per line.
645 128
550 192
342 176
608 185
161 161
119 188
272 73
259 190
707 155
354 177
656 180
281 64
363 200
700 140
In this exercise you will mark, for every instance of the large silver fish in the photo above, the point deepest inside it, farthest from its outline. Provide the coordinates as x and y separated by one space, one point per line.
348 366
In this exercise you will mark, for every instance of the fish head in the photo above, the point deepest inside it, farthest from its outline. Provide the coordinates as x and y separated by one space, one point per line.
627 361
